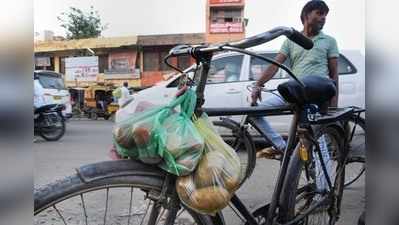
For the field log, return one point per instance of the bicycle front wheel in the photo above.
(113, 200)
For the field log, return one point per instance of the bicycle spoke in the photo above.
(106, 207)
(130, 206)
(146, 211)
(84, 208)
(237, 213)
(182, 210)
(58, 212)
(160, 216)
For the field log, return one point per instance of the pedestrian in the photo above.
(125, 95)
(321, 60)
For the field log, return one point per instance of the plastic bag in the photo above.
(134, 107)
(162, 135)
(211, 186)
(184, 143)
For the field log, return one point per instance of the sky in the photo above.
(345, 22)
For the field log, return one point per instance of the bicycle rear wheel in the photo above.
(355, 166)
(241, 142)
(300, 195)
(112, 200)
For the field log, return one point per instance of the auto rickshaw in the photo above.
(112, 108)
(99, 102)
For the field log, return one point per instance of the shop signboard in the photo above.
(81, 68)
(226, 28)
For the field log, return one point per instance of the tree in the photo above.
(79, 24)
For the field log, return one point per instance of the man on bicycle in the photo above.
(321, 60)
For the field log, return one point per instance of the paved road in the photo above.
(88, 141)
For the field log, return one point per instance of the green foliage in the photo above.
(79, 24)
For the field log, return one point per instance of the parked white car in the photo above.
(54, 89)
(231, 73)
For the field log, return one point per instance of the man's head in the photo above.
(125, 84)
(314, 14)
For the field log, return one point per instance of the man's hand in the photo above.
(266, 76)
(256, 94)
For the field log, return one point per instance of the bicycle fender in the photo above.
(125, 167)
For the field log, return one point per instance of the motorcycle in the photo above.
(49, 122)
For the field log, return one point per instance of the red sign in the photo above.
(226, 28)
(224, 1)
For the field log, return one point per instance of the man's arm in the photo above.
(271, 70)
(333, 74)
(266, 76)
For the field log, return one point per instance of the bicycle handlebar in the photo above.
(267, 36)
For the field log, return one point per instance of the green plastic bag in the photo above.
(163, 135)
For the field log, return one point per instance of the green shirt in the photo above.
(313, 61)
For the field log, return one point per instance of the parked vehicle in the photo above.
(49, 122)
(231, 73)
(97, 98)
(54, 90)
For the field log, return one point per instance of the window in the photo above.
(183, 61)
(162, 55)
(182, 80)
(226, 69)
(226, 15)
(175, 83)
(344, 66)
(138, 62)
(258, 66)
(103, 63)
(62, 65)
(120, 64)
(51, 82)
(151, 61)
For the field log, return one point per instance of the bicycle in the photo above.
(161, 202)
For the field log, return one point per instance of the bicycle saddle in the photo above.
(318, 90)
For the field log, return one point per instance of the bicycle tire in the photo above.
(293, 191)
(355, 166)
(72, 187)
(240, 138)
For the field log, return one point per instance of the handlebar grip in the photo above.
(301, 39)
(180, 50)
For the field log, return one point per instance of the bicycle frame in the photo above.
(237, 203)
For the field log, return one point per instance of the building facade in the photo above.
(224, 20)
(136, 59)
(93, 60)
